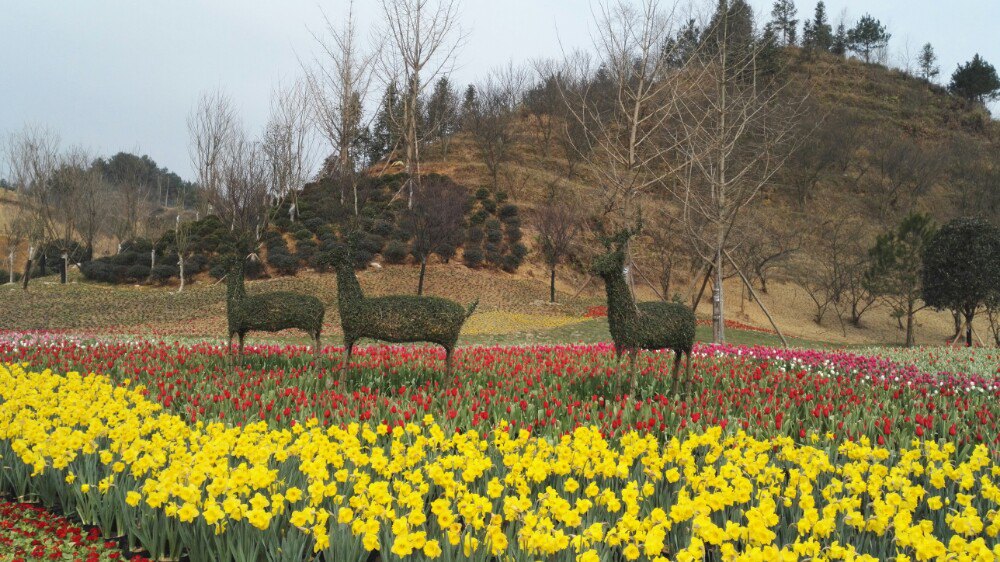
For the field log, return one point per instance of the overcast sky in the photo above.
(113, 75)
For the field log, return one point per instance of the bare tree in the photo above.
(33, 157)
(829, 150)
(93, 211)
(735, 131)
(339, 84)
(898, 171)
(766, 245)
(492, 118)
(242, 198)
(543, 103)
(559, 221)
(423, 37)
(435, 222)
(623, 99)
(288, 142)
(182, 243)
(212, 125)
(14, 234)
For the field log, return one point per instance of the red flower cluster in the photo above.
(29, 532)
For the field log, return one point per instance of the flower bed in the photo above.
(30, 532)
(549, 390)
(416, 491)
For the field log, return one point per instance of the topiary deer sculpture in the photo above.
(646, 325)
(395, 318)
(269, 312)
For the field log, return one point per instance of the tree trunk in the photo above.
(180, 265)
(423, 270)
(957, 316)
(718, 317)
(27, 271)
(909, 324)
(41, 266)
(969, 315)
(552, 285)
(65, 269)
(10, 273)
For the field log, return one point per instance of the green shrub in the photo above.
(395, 252)
(473, 256)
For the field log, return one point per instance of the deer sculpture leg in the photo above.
(348, 351)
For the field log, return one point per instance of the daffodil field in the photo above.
(525, 453)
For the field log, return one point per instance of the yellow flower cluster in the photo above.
(418, 492)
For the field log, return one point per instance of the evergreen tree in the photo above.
(385, 134)
(894, 273)
(469, 101)
(928, 63)
(731, 28)
(442, 113)
(686, 43)
(784, 22)
(961, 268)
(976, 80)
(839, 46)
(768, 53)
(867, 37)
(818, 34)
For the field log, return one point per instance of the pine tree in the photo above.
(839, 46)
(867, 37)
(442, 113)
(976, 80)
(818, 34)
(928, 63)
(385, 135)
(731, 28)
(783, 21)
(686, 43)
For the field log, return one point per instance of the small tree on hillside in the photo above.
(976, 80)
(443, 113)
(817, 34)
(492, 119)
(961, 268)
(839, 46)
(928, 63)
(436, 221)
(784, 22)
(559, 222)
(894, 272)
(867, 37)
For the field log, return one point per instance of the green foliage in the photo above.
(650, 325)
(783, 21)
(395, 318)
(209, 239)
(928, 63)
(268, 312)
(896, 264)
(129, 169)
(494, 234)
(817, 34)
(731, 29)
(867, 37)
(976, 80)
(962, 267)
